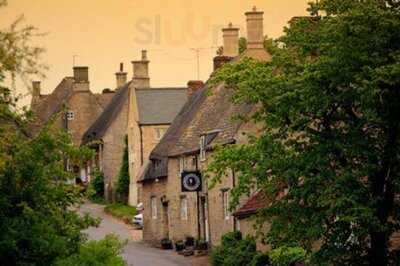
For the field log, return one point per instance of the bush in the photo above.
(236, 251)
(105, 252)
(284, 256)
(121, 211)
(95, 191)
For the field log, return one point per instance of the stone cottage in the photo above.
(74, 103)
(204, 121)
(138, 111)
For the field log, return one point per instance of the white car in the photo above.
(138, 220)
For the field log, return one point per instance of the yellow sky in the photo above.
(105, 32)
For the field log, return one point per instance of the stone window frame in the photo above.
(183, 207)
(153, 207)
(70, 115)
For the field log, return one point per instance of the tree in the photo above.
(37, 220)
(122, 186)
(330, 105)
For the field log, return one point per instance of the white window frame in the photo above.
(202, 148)
(225, 204)
(184, 208)
(153, 204)
(70, 115)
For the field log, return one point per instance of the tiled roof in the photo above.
(159, 105)
(253, 204)
(98, 128)
(52, 103)
(207, 110)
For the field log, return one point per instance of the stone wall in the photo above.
(113, 149)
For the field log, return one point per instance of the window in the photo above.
(160, 133)
(225, 203)
(184, 208)
(203, 148)
(153, 203)
(70, 115)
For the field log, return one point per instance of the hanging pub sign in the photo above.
(191, 181)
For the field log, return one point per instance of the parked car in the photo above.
(138, 220)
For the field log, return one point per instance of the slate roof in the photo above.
(155, 106)
(206, 111)
(100, 126)
(159, 105)
(253, 204)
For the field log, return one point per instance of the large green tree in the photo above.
(38, 223)
(330, 105)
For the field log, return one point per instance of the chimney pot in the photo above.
(144, 55)
(121, 67)
(194, 86)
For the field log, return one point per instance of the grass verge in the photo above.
(121, 211)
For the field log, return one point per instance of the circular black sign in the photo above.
(191, 182)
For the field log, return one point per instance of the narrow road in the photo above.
(136, 253)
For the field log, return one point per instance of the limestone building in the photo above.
(204, 122)
(139, 112)
(72, 105)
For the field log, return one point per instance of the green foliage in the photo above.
(95, 190)
(122, 185)
(284, 256)
(105, 252)
(329, 105)
(242, 44)
(121, 211)
(235, 250)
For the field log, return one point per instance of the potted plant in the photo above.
(179, 245)
(166, 243)
(201, 244)
(189, 241)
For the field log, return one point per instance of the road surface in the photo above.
(136, 253)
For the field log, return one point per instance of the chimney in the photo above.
(121, 76)
(231, 41)
(35, 92)
(255, 30)
(194, 86)
(81, 78)
(220, 60)
(141, 72)
(36, 89)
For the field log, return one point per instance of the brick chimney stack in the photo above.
(255, 29)
(231, 41)
(194, 86)
(141, 72)
(121, 76)
(81, 78)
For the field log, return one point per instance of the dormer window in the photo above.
(70, 115)
(203, 148)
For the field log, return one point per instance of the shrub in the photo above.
(122, 184)
(284, 256)
(95, 191)
(236, 251)
(105, 252)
